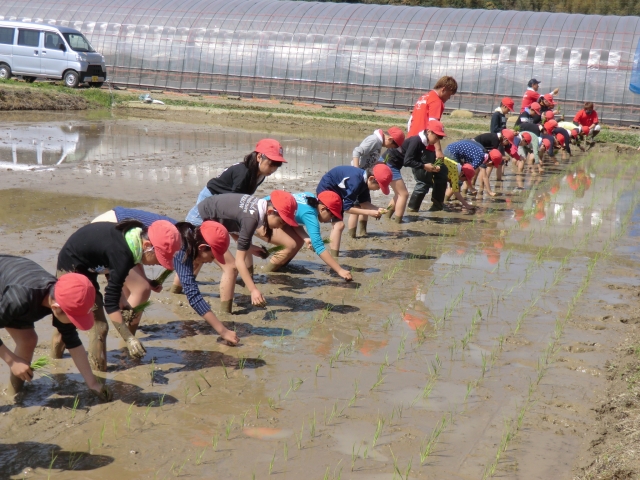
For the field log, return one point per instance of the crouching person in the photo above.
(29, 293)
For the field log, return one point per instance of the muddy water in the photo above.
(439, 339)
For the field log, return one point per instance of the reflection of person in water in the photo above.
(579, 182)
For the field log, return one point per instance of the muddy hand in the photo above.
(136, 349)
(104, 393)
(22, 370)
(257, 299)
(230, 337)
(345, 274)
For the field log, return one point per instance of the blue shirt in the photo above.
(182, 264)
(308, 216)
(348, 182)
(467, 151)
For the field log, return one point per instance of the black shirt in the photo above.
(394, 157)
(235, 179)
(526, 117)
(530, 127)
(498, 122)
(99, 248)
(489, 141)
(24, 285)
(414, 152)
(237, 212)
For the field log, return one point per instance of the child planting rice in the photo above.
(245, 216)
(353, 186)
(310, 213)
(204, 244)
(29, 293)
(120, 251)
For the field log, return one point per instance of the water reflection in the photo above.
(131, 150)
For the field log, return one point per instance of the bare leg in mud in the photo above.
(334, 238)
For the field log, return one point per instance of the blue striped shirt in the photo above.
(182, 264)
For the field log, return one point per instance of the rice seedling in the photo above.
(160, 279)
(272, 404)
(378, 432)
(53, 460)
(89, 445)
(312, 425)
(286, 452)
(129, 416)
(242, 362)
(186, 394)
(365, 454)
(295, 383)
(214, 441)
(273, 460)
(199, 457)
(256, 407)
(40, 364)
(379, 382)
(182, 467)
(141, 308)
(224, 369)
(74, 409)
(326, 474)
(229, 426)
(104, 426)
(299, 437)
(317, 368)
(74, 460)
(244, 417)
(354, 455)
(147, 410)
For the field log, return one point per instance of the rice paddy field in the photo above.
(495, 345)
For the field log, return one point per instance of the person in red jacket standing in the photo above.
(531, 95)
(430, 106)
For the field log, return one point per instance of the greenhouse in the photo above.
(374, 55)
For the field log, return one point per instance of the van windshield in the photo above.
(78, 43)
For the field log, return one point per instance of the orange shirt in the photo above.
(584, 119)
(428, 107)
(529, 97)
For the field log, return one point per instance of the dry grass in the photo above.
(33, 99)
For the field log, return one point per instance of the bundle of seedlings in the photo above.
(160, 279)
(40, 364)
(129, 314)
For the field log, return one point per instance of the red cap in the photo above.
(217, 237)
(436, 127)
(560, 138)
(76, 296)
(550, 125)
(332, 201)
(546, 143)
(468, 171)
(507, 102)
(509, 134)
(585, 130)
(285, 205)
(166, 241)
(535, 106)
(574, 133)
(271, 148)
(549, 115)
(397, 134)
(549, 99)
(526, 136)
(496, 157)
(382, 174)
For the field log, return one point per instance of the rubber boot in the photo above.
(177, 289)
(362, 226)
(415, 201)
(352, 233)
(390, 211)
(335, 253)
(15, 385)
(226, 306)
(436, 206)
(57, 346)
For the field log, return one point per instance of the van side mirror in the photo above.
(62, 47)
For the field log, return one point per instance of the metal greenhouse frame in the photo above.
(354, 53)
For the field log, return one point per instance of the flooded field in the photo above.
(468, 346)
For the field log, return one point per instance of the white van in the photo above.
(35, 50)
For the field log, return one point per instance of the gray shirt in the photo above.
(240, 214)
(369, 150)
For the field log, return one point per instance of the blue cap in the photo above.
(532, 81)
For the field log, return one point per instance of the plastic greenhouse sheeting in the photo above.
(375, 55)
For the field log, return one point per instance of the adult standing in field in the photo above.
(206, 243)
(244, 177)
(245, 216)
(353, 185)
(28, 293)
(410, 154)
(366, 155)
(118, 251)
(430, 107)
(588, 117)
(531, 94)
(499, 116)
(311, 212)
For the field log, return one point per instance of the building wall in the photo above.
(354, 53)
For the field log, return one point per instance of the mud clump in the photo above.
(32, 99)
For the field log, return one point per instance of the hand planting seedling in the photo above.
(160, 279)
(40, 364)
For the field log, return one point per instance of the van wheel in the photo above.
(71, 79)
(96, 84)
(5, 71)
(29, 79)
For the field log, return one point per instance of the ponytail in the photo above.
(191, 239)
(128, 224)
(251, 162)
(313, 202)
